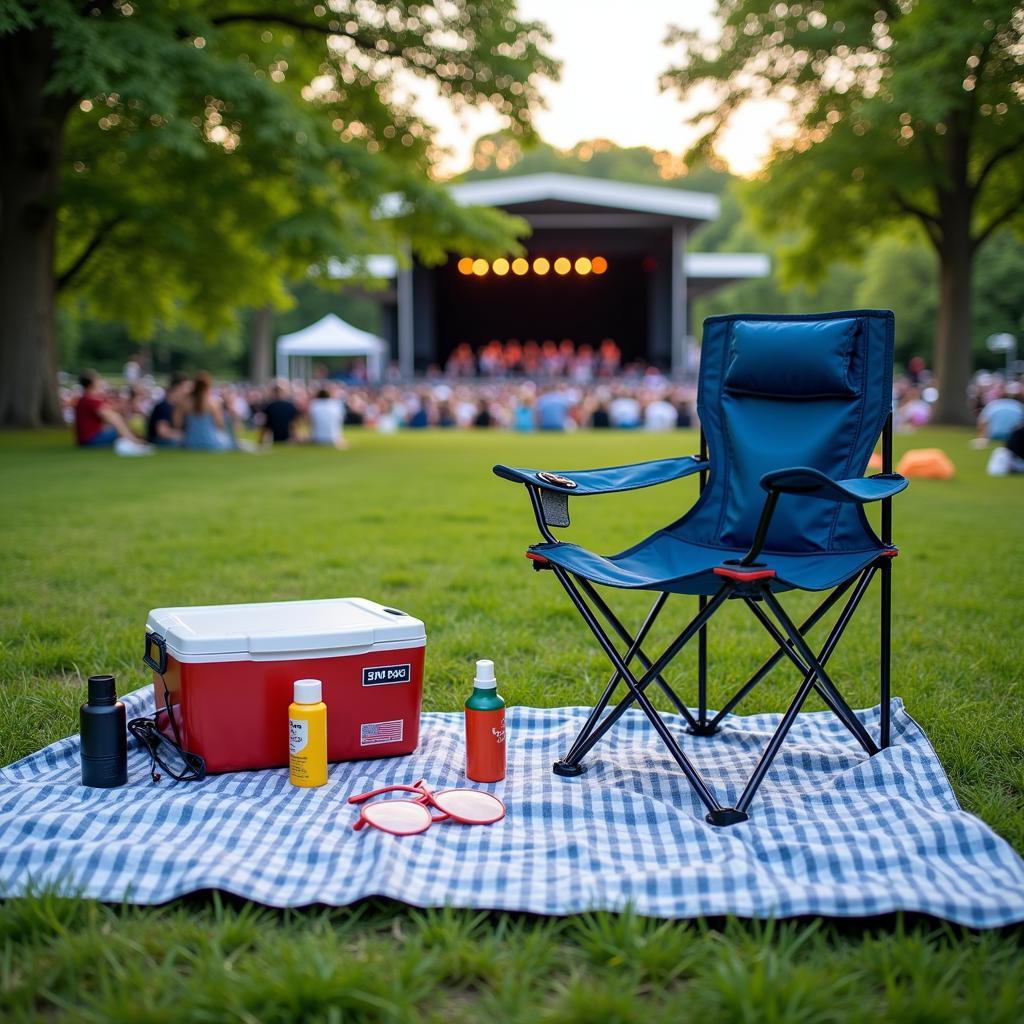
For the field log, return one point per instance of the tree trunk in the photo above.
(261, 346)
(953, 329)
(31, 130)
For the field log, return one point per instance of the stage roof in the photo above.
(520, 190)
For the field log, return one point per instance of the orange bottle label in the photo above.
(485, 745)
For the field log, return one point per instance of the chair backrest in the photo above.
(781, 391)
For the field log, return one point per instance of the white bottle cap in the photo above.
(485, 675)
(308, 691)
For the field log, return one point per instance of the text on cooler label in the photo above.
(387, 675)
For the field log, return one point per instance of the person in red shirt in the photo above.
(97, 424)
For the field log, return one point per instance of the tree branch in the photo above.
(999, 155)
(929, 221)
(293, 21)
(63, 280)
(998, 220)
(917, 211)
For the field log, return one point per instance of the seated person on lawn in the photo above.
(279, 416)
(97, 423)
(160, 428)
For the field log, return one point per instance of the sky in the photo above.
(612, 53)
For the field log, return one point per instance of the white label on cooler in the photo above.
(298, 735)
(372, 733)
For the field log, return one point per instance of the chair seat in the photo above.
(669, 563)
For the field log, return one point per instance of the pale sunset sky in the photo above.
(612, 54)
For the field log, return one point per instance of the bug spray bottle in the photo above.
(307, 734)
(485, 727)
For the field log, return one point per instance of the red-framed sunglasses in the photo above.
(407, 817)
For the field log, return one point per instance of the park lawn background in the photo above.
(92, 542)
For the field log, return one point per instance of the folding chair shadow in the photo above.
(791, 408)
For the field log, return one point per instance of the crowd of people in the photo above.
(192, 412)
(195, 413)
(540, 360)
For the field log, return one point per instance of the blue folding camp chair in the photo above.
(790, 408)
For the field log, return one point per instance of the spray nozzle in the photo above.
(485, 675)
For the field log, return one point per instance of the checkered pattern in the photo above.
(830, 832)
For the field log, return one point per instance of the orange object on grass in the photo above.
(926, 464)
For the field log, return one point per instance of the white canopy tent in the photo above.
(331, 336)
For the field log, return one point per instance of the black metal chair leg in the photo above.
(671, 651)
(774, 744)
(701, 728)
(885, 657)
(636, 691)
(620, 629)
(570, 764)
(841, 708)
(805, 627)
(834, 702)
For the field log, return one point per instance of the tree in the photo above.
(901, 111)
(173, 161)
(504, 154)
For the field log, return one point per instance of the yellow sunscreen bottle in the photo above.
(307, 735)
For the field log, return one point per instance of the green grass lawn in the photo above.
(92, 542)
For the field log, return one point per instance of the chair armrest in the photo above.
(812, 483)
(609, 480)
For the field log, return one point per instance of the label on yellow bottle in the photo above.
(307, 744)
(298, 735)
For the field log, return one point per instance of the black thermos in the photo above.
(104, 736)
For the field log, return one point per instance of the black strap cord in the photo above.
(148, 733)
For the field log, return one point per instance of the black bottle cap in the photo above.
(102, 690)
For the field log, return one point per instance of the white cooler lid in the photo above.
(281, 627)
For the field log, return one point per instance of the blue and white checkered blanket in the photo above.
(830, 832)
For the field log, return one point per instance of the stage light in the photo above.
(520, 266)
(583, 265)
(541, 265)
(466, 265)
(562, 265)
(500, 266)
(598, 265)
(480, 267)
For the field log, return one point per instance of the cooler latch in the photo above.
(155, 642)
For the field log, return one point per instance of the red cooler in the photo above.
(228, 672)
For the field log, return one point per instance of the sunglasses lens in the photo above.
(470, 806)
(400, 817)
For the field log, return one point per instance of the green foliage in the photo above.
(898, 273)
(898, 110)
(214, 151)
(502, 154)
(105, 345)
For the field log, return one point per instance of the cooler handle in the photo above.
(159, 663)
